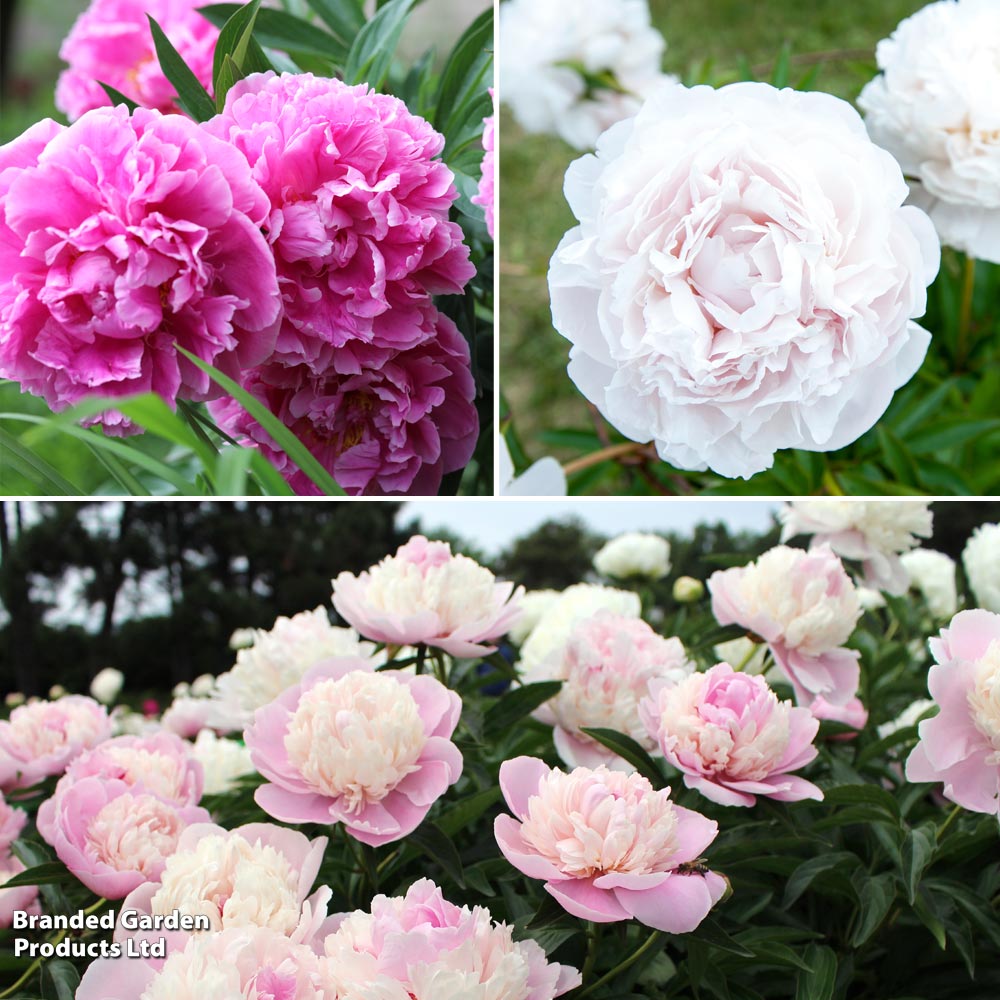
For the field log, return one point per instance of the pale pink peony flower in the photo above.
(608, 845)
(960, 746)
(359, 215)
(257, 875)
(245, 961)
(744, 276)
(606, 668)
(853, 714)
(348, 745)
(223, 761)
(111, 42)
(424, 594)
(114, 836)
(432, 948)
(873, 532)
(41, 738)
(395, 422)
(487, 196)
(12, 822)
(805, 607)
(731, 736)
(24, 897)
(148, 239)
(186, 716)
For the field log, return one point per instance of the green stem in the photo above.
(831, 485)
(593, 933)
(965, 311)
(37, 964)
(951, 819)
(622, 966)
(421, 656)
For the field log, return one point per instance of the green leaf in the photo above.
(227, 77)
(875, 898)
(782, 67)
(231, 50)
(435, 843)
(926, 910)
(232, 468)
(803, 876)
(280, 30)
(43, 874)
(60, 979)
(117, 97)
(282, 436)
(945, 434)
(516, 704)
(628, 749)
(897, 459)
(119, 472)
(819, 983)
(32, 467)
(467, 810)
(870, 795)
(464, 73)
(191, 95)
(709, 932)
(345, 18)
(917, 853)
(372, 51)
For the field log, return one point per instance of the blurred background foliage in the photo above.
(941, 433)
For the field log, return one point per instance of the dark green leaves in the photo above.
(44, 874)
(628, 749)
(191, 95)
(818, 984)
(372, 51)
(516, 704)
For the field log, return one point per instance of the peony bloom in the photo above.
(42, 737)
(359, 215)
(348, 745)
(544, 478)
(274, 660)
(933, 574)
(534, 604)
(432, 948)
(576, 69)
(186, 717)
(960, 746)
(111, 835)
(223, 761)
(634, 554)
(608, 845)
(242, 961)
(981, 559)
(743, 278)
(486, 196)
(933, 108)
(394, 424)
(853, 714)
(23, 897)
(148, 239)
(910, 716)
(257, 875)
(557, 622)
(424, 594)
(731, 737)
(746, 655)
(606, 668)
(111, 42)
(873, 532)
(107, 685)
(12, 822)
(804, 606)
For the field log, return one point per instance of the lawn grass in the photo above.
(702, 36)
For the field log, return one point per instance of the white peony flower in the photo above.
(574, 69)
(278, 659)
(934, 107)
(107, 685)
(743, 654)
(743, 278)
(544, 478)
(634, 554)
(870, 599)
(981, 559)
(534, 605)
(222, 760)
(910, 716)
(874, 532)
(933, 574)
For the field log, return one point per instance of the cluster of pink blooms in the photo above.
(487, 193)
(12, 822)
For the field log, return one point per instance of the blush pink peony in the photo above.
(111, 42)
(731, 737)
(348, 745)
(394, 422)
(12, 822)
(424, 594)
(359, 214)
(960, 746)
(608, 845)
(853, 714)
(41, 738)
(148, 238)
(487, 182)
(805, 607)
(431, 947)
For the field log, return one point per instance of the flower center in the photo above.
(158, 773)
(984, 700)
(134, 833)
(356, 738)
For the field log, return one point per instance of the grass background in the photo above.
(705, 38)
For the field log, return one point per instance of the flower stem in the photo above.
(616, 451)
(623, 965)
(34, 967)
(421, 656)
(593, 933)
(951, 818)
(831, 485)
(965, 311)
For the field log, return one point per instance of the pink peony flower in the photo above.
(428, 945)
(12, 822)
(113, 836)
(257, 875)
(853, 714)
(805, 607)
(960, 746)
(731, 738)
(238, 962)
(42, 737)
(111, 43)
(186, 717)
(424, 594)
(24, 897)
(487, 195)
(148, 238)
(606, 668)
(369, 750)
(359, 215)
(394, 424)
(608, 845)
